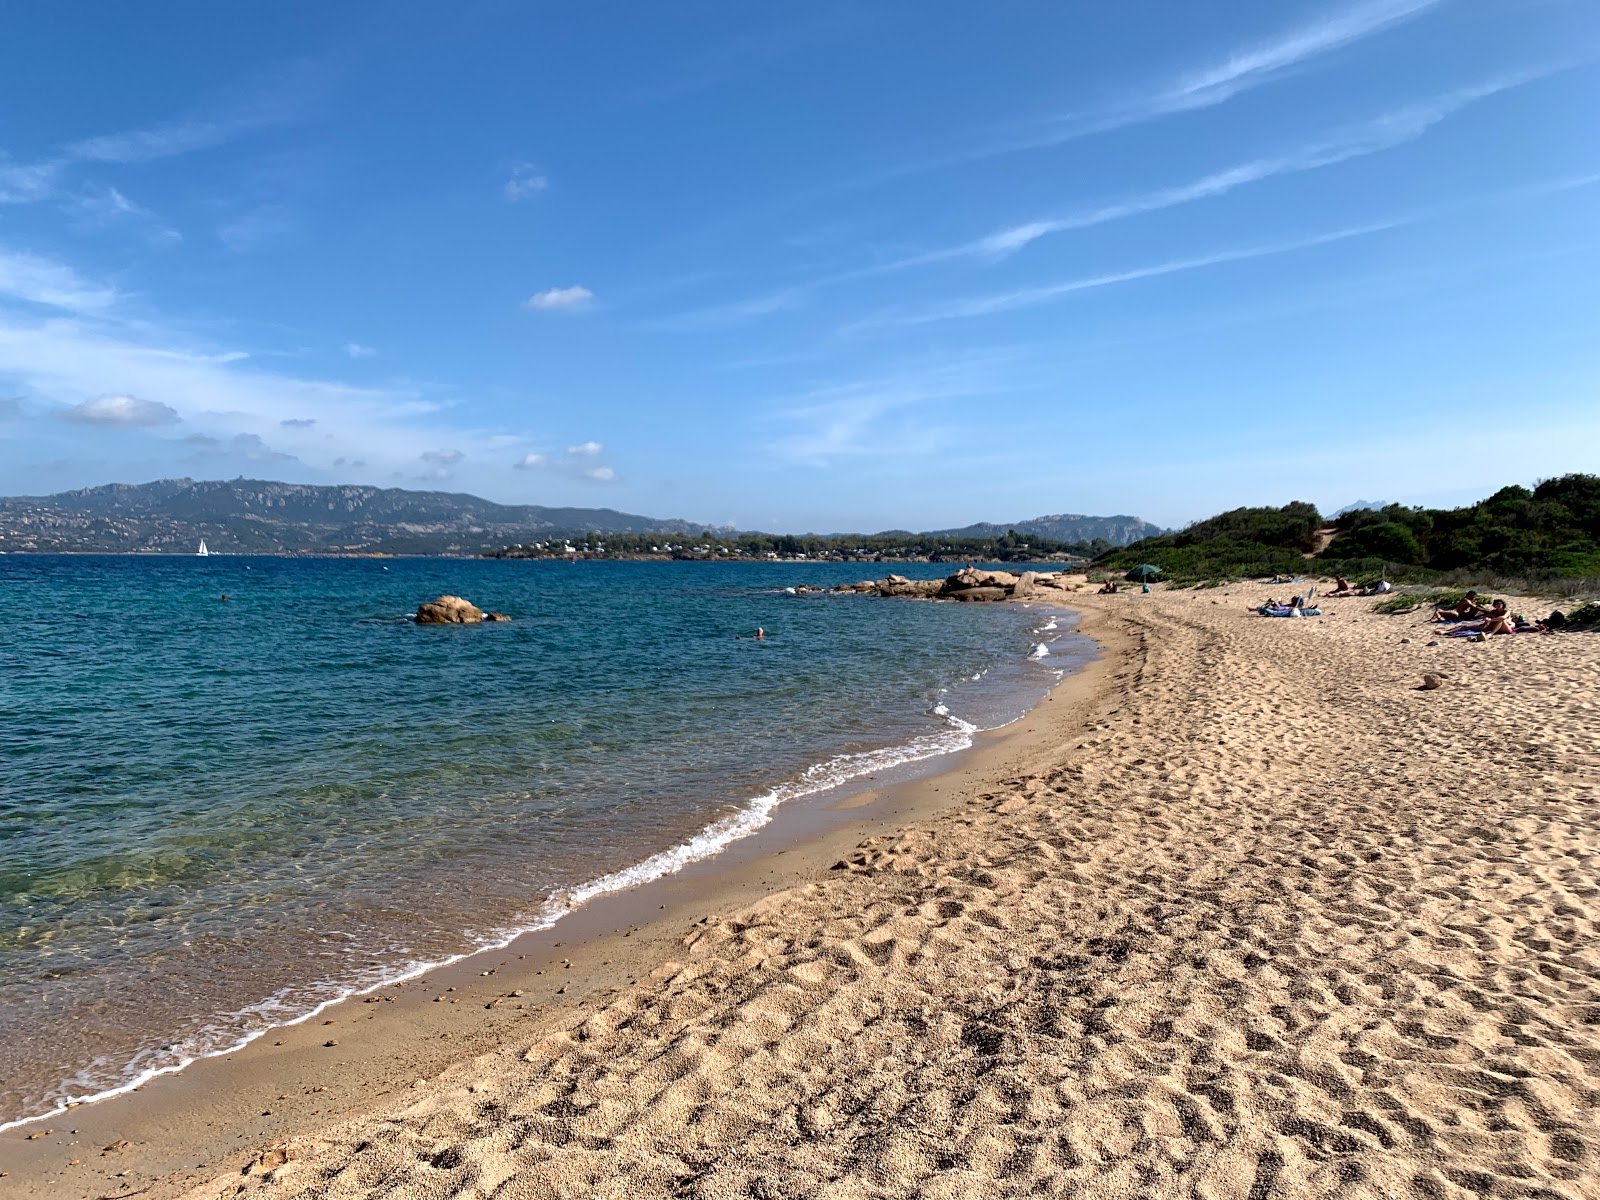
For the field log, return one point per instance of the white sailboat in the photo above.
(203, 552)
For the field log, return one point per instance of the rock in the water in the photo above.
(494, 616)
(449, 610)
(979, 593)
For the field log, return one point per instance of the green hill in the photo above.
(1550, 531)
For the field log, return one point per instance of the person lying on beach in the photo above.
(1466, 608)
(1342, 587)
(1107, 589)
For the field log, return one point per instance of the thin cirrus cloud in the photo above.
(1206, 87)
(532, 462)
(260, 103)
(357, 350)
(123, 411)
(36, 280)
(560, 299)
(1019, 298)
(585, 449)
(885, 415)
(1384, 132)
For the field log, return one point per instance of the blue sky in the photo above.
(829, 266)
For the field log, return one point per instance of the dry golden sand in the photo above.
(1273, 923)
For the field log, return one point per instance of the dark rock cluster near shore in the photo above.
(967, 584)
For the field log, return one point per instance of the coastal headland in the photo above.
(1241, 910)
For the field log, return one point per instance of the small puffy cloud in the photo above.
(357, 350)
(567, 299)
(298, 422)
(585, 450)
(532, 462)
(526, 182)
(121, 410)
(442, 458)
(348, 462)
(601, 474)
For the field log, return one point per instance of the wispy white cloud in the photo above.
(585, 449)
(442, 458)
(357, 350)
(259, 104)
(525, 181)
(44, 281)
(121, 410)
(104, 208)
(532, 462)
(1009, 301)
(1205, 87)
(88, 360)
(567, 299)
(892, 415)
(1385, 132)
(600, 475)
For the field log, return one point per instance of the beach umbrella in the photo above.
(1144, 571)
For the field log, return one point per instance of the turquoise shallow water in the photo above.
(216, 816)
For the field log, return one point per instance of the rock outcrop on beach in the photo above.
(967, 584)
(452, 610)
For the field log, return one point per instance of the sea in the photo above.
(234, 790)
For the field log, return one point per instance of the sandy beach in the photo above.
(1239, 912)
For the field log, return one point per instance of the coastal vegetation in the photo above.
(1548, 536)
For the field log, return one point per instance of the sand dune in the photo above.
(1270, 923)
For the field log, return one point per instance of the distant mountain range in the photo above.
(1358, 505)
(1067, 527)
(254, 516)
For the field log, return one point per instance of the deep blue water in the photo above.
(216, 815)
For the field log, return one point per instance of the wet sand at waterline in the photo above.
(1239, 912)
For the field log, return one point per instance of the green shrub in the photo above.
(1403, 602)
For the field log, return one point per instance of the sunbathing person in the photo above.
(1466, 608)
(1107, 589)
(1342, 587)
(1497, 620)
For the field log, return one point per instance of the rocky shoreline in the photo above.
(967, 584)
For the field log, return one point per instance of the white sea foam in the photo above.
(280, 1010)
(1039, 651)
(1050, 626)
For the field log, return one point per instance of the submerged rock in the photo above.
(450, 610)
(494, 616)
